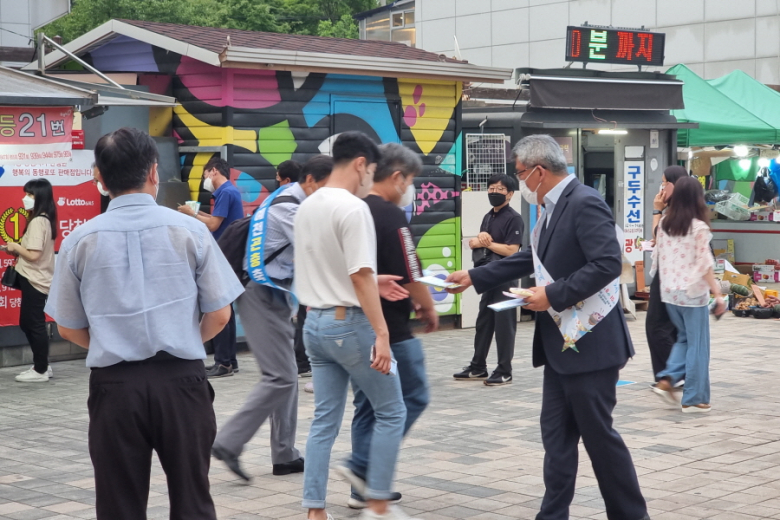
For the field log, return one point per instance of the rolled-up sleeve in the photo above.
(218, 285)
(64, 303)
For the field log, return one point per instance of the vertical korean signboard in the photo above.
(633, 209)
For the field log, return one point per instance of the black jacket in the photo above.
(581, 252)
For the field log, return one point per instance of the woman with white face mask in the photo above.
(35, 267)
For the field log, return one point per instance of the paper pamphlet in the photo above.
(435, 281)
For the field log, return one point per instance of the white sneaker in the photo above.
(309, 388)
(356, 482)
(393, 513)
(31, 376)
(49, 371)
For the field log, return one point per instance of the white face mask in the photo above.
(530, 196)
(101, 189)
(29, 202)
(208, 184)
(407, 197)
(366, 183)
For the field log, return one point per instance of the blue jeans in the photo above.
(690, 357)
(340, 350)
(414, 386)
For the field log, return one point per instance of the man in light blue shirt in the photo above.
(130, 286)
(265, 312)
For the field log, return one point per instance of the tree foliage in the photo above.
(318, 17)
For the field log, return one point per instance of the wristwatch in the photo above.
(656, 212)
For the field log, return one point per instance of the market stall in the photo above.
(734, 154)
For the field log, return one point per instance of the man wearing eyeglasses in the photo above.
(500, 235)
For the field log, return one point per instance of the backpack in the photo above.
(234, 238)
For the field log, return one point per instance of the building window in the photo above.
(393, 26)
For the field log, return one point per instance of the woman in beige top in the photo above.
(36, 269)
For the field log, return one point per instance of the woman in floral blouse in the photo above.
(683, 257)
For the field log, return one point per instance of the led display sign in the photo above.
(607, 45)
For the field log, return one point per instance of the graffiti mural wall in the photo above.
(267, 117)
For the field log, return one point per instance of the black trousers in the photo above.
(32, 321)
(580, 406)
(503, 324)
(300, 350)
(163, 404)
(661, 333)
(224, 343)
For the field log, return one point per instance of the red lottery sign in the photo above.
(35, 135)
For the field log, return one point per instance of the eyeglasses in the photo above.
(500, 189)
(527, 169)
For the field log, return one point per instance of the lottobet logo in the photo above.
(74, 202)
(11, 224)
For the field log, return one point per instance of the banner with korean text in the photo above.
(633, 209)
(75, 196)
(35, 135)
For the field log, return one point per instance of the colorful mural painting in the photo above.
(266, 117)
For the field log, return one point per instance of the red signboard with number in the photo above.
(35, 135)
(75, 196)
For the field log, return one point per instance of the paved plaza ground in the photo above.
(476, 453)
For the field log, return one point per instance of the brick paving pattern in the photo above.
(476, 453)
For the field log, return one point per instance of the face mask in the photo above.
(208, 184)
(529, 196)
(102, 190)
(407, 197)
(366, 183)
(29, 202)
(496, 199)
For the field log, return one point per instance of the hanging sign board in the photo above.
(75, 196)
(608, 45)
(633, 210)
(35, 135)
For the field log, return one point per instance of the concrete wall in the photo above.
(24, 16)
(712, 37)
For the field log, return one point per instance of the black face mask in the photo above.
(496, 199)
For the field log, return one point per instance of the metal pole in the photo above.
(59, 47)
(41, 52)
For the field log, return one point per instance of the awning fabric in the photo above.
(721, 119)
(751, 94)
(568, 92)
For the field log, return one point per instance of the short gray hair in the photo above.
(542, 150)
(395, 157)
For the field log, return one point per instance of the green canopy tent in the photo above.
(752, 95)
(722, 120)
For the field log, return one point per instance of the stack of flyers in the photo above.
(516, 301)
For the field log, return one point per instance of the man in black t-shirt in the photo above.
(500, 235)
(396, 255)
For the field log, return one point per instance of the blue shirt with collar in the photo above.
(138, 276)
(551, 199)
(228, 205)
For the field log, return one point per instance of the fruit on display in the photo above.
(741, 290)
(744, 304)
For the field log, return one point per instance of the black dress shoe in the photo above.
(295, 466)
(231, 461)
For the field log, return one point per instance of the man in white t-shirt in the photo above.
(345, 334)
